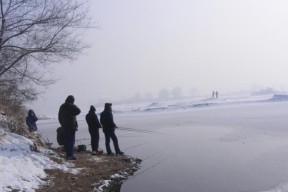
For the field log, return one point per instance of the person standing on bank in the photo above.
(93, 126)
(106, 119)
(31, 121)
(67, 119)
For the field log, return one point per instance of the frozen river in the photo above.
(226, 148)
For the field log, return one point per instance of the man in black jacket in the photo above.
(106, 119)
(67, 118)
(93, 126)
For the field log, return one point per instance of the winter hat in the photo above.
(92, 108)
(70, 99)
(108, 105)
(30, 112)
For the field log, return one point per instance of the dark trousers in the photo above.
(111, 135)
(94, 139)
(70, 142)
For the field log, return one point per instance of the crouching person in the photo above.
(31, 121)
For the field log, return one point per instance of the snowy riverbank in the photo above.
(23, 165)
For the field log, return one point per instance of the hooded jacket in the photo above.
(31, 120)
(67, 114)
(106, 119)
(92, 120)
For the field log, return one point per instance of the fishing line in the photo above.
(132, 130)
(138, 130)
(48, 123)
(154, 165)
(120, 128)
(148, 157)
(142, 130)
(123, 136)
(44, 123)
(135, 146)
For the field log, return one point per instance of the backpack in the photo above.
(60, 136)
(81, 148)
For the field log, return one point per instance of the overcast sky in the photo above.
(143, 46)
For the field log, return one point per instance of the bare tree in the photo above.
(34, 34)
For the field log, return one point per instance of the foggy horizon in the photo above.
(143, 47)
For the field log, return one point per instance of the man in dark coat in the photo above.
(67, 118)
(31, 121)
(106, 119)
(93, 126)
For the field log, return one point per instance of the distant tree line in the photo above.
(163, 94)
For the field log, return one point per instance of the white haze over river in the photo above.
(213, 145)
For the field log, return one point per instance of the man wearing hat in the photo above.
(106, 119)
(93, 126)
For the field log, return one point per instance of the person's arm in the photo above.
(76, 110)
(112, 121)
(35, 118)
(98, 122)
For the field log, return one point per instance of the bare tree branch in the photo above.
(37, 33)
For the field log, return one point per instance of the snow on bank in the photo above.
(20, 167)
(192, 103)
(117, 177)
(184, 103)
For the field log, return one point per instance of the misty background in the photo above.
(150, 48)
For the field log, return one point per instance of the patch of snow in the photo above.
(21, 168)
(117, 178)
(101, 185)
(96, 159)
(189, 103)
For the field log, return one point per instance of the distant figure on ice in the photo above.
(213, 94)
(31, 121)
(216, 94)
(106, 119)
(93, 126)
(67, 119)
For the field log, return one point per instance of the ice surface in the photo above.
(229, 144)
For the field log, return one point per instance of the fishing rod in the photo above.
(120, 128)
(138, 130)
(52, 122)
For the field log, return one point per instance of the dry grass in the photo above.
(92, 172)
